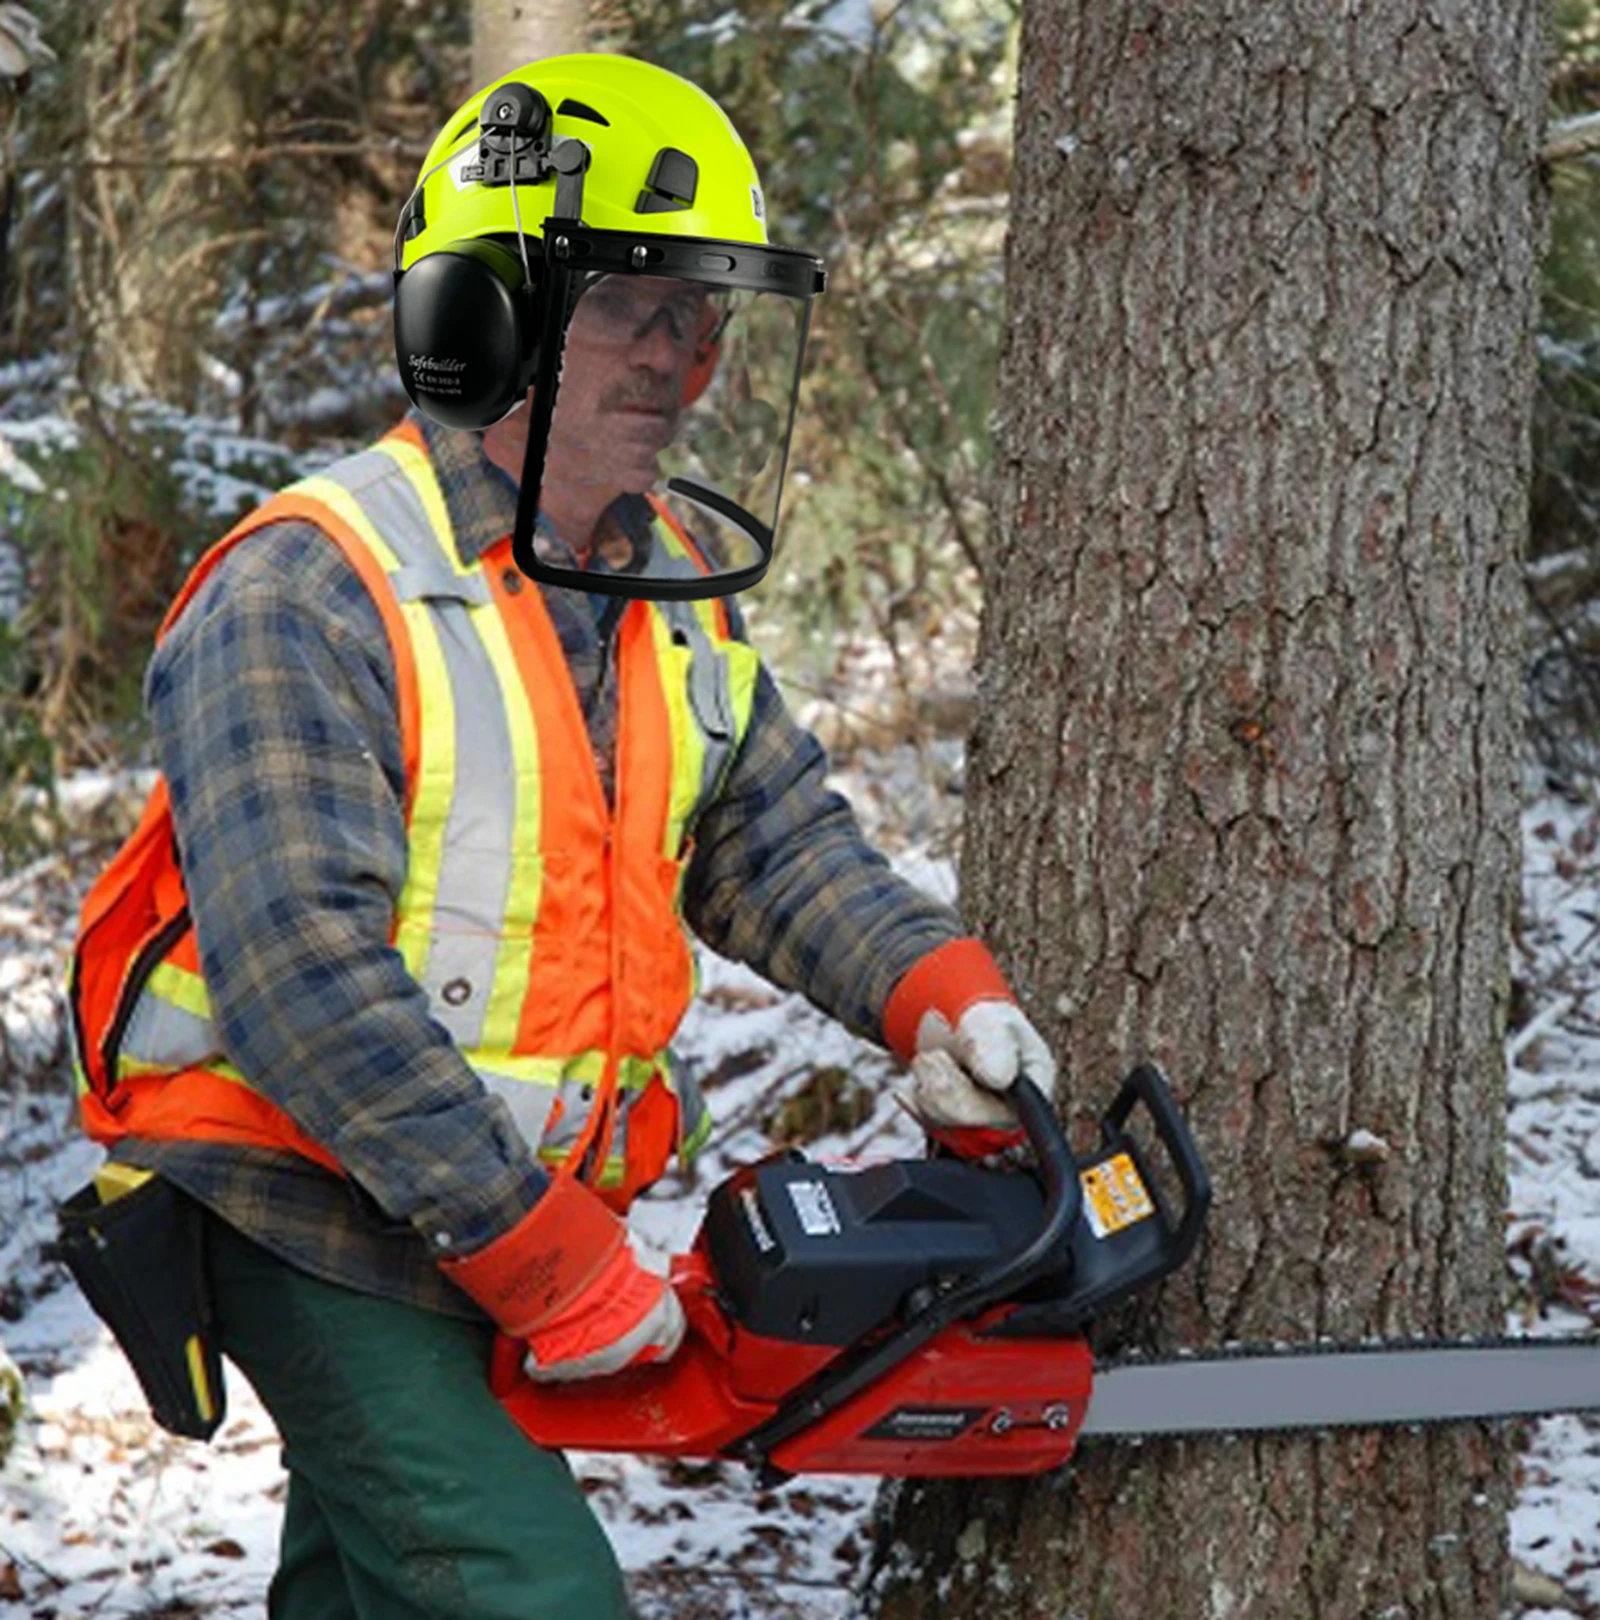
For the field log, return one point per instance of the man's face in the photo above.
(630, 347)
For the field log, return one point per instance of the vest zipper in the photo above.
(144, 964)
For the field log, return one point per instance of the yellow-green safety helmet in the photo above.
(593, 228)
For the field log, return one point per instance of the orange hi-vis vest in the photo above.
(545, 926)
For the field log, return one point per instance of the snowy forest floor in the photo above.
(102, 1514)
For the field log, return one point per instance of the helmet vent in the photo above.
(671, 186)
(581, 109)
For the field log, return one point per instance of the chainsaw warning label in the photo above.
(1114, 1196)
(925, 1423)
(818, 1218)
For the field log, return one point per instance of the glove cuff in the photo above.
(946, 981)
(530, 1274)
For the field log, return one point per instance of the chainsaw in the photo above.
(929, 1317)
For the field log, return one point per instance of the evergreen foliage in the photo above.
(199, 199)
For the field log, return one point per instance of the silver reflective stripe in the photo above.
(475, 866)
(160, 1033)
(358, 472)
(691, 1099)
(576, 1097)
(576, 1101)
(416, 582)
(529, 1102)
(475, 863)
(710, 697)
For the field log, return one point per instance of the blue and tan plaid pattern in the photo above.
(274, 712)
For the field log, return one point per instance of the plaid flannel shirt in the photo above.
(273, 707)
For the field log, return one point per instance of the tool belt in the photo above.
(135, 1245)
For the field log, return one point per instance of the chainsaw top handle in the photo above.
(1063, 1200)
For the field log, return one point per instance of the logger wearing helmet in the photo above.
(385, 981)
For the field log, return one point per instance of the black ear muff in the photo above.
(465, 333)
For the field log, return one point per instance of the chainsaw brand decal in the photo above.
(925, 1423)
(1114, 1196)
(756, 1221)
(818, 1218)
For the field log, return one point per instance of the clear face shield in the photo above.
(661, 411)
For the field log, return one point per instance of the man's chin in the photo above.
(639, 480)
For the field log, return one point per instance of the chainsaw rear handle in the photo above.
(1147, 1085)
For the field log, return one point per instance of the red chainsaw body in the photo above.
(963, 1404)
(906, 1318)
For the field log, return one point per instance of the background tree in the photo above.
(1242, 777)
(507, 33)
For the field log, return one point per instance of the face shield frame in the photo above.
(573, 255)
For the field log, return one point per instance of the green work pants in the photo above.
(412, 1496)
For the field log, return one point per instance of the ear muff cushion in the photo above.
(707, 351)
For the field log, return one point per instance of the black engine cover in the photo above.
(820, 1254)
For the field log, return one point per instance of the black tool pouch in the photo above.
(140, 1261)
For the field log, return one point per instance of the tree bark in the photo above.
(508, 33)
(1242, 778)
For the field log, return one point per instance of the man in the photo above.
(385, 979)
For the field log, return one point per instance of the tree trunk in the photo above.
(1242, 779)
(508, 33)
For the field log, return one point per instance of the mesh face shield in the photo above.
(661, 411)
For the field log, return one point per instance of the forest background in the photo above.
(196, 211)
(196, 217)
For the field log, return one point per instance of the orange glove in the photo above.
(953, 1018)
(565, 1280)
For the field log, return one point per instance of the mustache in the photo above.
(653, 399)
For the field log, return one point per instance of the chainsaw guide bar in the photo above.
(1244, 1389)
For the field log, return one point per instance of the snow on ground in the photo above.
(102, 1514)
(1553, 1224)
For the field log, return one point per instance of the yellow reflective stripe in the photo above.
(611, 1172)
(633, 1072)
(697, 1138)
(180, 987)
(414, 463)
(688, 745)
(437, 760)
(221, 1071)
(347, 508)
(744, 664)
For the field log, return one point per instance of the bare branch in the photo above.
(1573, 137)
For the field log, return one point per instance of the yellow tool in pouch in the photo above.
(113, 1180)
(135, 1245)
